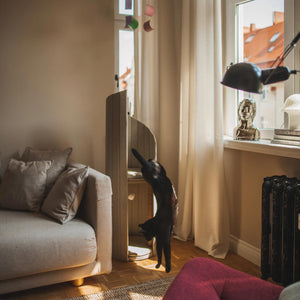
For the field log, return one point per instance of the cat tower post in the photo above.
(132, 200)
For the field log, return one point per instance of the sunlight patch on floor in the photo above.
(138, 296)
(89, 289)
(149, 264)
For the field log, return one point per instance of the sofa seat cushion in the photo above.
(32, 243)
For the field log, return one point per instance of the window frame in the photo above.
(119, 21)
(292, 85)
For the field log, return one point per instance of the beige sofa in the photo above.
(35, 250)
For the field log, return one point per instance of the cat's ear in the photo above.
(162, 170)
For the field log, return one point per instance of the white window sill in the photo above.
(262, 146)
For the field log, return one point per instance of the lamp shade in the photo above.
(243, 76)
(250, 78)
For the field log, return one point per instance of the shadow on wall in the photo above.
(14, 142)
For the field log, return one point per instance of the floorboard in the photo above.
(124, 273)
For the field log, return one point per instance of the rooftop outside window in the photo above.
(261, 22)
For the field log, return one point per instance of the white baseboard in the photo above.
(245, 250)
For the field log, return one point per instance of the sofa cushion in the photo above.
(23, 185)
(4, 159)
(64, 198)
(33, 243)
(59, 160)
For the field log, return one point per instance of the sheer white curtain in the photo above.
(202, 210)
(146, 67)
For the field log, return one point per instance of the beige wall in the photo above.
(56, 70)
(244, 177)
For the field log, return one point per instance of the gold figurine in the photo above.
(246, 130)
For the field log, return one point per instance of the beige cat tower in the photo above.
(133, 201)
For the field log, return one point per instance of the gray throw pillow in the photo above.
(64, 198)
(23, 185)
(4, 159)
(59, 160)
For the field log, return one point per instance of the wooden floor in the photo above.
(131, 273)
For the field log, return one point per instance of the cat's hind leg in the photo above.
(167, 250)
(167, 253)
(158, 252)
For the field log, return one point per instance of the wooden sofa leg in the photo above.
(78, 282)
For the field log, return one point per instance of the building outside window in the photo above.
(256, 31)
(260, 40)
(124, 51)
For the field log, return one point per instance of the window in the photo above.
(260, 19)
(125, 7)
(124, 50)
(271, 49)
(261, 32)
(250, 38)
(274, 37)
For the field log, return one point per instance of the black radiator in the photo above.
(280, 243)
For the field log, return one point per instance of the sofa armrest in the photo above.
(97, 211)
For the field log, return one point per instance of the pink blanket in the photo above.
(206, 279)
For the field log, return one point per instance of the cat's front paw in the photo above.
(168, 269)
(157, 266)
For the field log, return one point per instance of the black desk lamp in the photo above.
(250, 78)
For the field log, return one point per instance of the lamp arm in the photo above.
(296, 39)
(287, 50)
(282, 57)
(291, 46)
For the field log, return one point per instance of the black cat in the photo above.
(161, 225)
